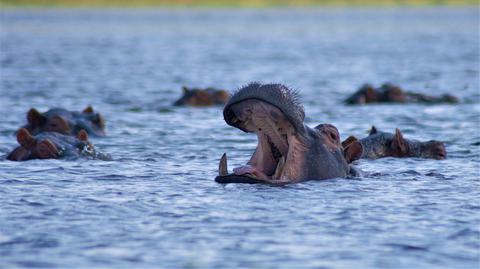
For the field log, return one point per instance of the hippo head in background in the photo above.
(202, 97)
(287, 151)
(380, 144)
(49, 145)
(392, 94)
(366, 94)
(65, 122)
(387, 93)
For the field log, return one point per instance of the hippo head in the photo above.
(202, 97)
(432, 149)
(395, 145)
(38, 122)
(287, 150)
(65, 122)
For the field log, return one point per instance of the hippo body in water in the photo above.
(65, 122)
(382, 144)
(202, 97)
(288, 151)
(52, 145)
(389, 93)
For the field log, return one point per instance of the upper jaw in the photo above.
(271, 153)
(286, 100)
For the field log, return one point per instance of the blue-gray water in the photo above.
(156, 204)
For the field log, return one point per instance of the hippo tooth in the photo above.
(279, 169)
(222, 167)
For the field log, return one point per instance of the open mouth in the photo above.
(275, 137)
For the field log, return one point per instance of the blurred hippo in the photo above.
(65, 122)
(382, 144)
(389, 93)
(202, 97)
(288, 151)
(52, 145)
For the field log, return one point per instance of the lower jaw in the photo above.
(258, 173)
(247, 173)
(232, 178)
(251, 171)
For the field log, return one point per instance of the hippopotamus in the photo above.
(389, 93)
(380, 144)
(53, 145)
(202, 97)
(65, 122)
(288, 151)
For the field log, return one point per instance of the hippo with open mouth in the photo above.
(288, 151)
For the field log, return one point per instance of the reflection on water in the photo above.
(156, 203)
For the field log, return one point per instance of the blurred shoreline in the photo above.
(231, 3)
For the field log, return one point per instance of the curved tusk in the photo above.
(222, 167)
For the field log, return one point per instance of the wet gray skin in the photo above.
(65, 122)
(288, 151)
(380, 144)
(52, 145)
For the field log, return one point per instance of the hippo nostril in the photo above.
(333, 137)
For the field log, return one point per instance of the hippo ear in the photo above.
(88, 109)
(399, 145)
(185, 90)
(35, 118)
(24, 138)
(82, 135)
(348, 141)
(373, 130)
(353, 151)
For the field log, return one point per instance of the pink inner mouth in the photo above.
(272, 129)
(248, 169)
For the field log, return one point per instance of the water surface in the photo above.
(156, 204)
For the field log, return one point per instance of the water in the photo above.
(156, 204)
